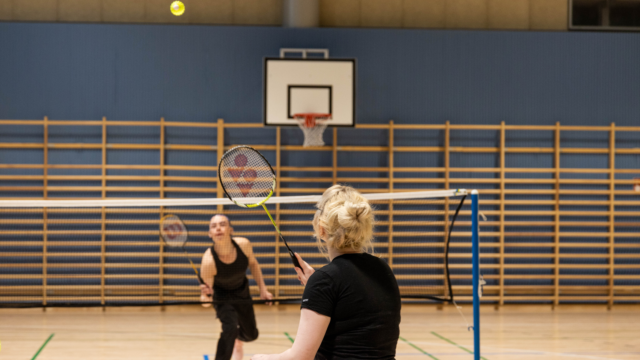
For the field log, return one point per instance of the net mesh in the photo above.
(109, 252)
(245, 173)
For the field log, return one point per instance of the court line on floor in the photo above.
(510, 350)
(452, 343)
(499, 350)
(42, 347)
(417, 348)
(549, 353)
(288, 336)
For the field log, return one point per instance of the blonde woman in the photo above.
(350, 307)
(223, 268)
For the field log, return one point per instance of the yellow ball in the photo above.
(177, 8)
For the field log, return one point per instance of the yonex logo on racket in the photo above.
(249, 175)
(240, 161)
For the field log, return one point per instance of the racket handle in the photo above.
(202, 283)
(295, 261)
(209, 296)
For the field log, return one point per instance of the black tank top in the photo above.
(232, 276)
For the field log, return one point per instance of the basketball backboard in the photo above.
(309, 85)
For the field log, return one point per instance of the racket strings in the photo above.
(244, 173)
(173, 231)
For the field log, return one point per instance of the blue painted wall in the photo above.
(201, 73)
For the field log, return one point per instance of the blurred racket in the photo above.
(174, 234)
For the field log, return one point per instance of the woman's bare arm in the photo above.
(207, 272)
(311, 331)
(246, 247)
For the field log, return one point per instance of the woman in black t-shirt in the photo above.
(350, 307)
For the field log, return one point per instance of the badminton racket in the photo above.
(174, 234)
(249, 181)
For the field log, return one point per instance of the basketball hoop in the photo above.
(312, 126)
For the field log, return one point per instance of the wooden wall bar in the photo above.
(555, 232)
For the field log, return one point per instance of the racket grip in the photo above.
(295, 261)
(203, 283)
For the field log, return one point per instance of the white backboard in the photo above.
(309, 86)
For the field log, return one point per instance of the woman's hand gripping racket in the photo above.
(249, 181)
(174, 234)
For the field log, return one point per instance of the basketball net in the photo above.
(312, 126)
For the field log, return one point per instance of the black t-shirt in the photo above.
(360, 294)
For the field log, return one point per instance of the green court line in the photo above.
(454, 344)
(417, 348)
(42, 347)
(288, 336)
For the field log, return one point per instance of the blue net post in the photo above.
(475, 258)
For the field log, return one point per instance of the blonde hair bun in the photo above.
(352, 214)
(346, 219)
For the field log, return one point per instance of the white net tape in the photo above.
(217, 201)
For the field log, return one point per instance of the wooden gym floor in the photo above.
(511, 333)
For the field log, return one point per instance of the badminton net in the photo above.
(109, 252)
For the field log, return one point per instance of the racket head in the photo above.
(173, 231)
(246, 176)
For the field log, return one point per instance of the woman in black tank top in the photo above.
(224, 267)
(230, 277)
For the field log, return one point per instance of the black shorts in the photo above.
(236, 312)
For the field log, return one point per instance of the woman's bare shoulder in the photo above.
(241, 240)
(244, 244)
